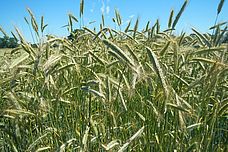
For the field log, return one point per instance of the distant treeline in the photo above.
(8, 42)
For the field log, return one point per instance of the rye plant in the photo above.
(115, 90)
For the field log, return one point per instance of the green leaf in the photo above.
(18, 60)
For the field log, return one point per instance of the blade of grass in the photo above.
(179, 14)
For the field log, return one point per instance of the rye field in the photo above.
(116, 89)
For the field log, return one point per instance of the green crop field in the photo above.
(115, 90)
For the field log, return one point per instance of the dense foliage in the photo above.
(113, 90)
(8, 42)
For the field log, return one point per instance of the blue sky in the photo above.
(199, 14)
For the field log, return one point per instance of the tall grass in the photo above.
(110, 90)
